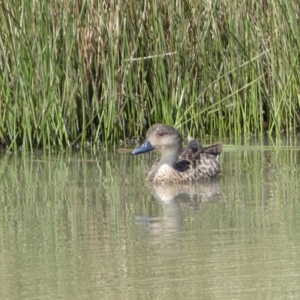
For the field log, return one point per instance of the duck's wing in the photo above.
(194, 145)
(194, 150)
(198, 161)
(189, 155)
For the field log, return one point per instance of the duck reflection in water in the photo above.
(177, 201)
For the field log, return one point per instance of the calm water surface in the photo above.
(81, 226)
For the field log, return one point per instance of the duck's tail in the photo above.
(214, 149)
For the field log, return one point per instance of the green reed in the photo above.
(101, 72)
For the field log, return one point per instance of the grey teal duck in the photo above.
(176, 164)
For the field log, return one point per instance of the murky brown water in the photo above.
(76, 226)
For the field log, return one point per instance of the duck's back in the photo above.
(197, 162)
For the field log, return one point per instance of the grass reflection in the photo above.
(81, 225)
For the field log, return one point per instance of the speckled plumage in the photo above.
(176, 165)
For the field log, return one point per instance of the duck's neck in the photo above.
(167, 157)
(170, 156)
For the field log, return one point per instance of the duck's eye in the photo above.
(160, 133)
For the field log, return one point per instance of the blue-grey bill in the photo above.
(146, 147)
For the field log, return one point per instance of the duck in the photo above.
(176, 164)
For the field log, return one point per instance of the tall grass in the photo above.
(95, 71)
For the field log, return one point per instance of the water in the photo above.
(79, 226)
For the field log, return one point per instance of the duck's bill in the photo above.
(146, 147)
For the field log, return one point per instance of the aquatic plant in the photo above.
(101, 71)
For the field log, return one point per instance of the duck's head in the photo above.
(162, 138)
